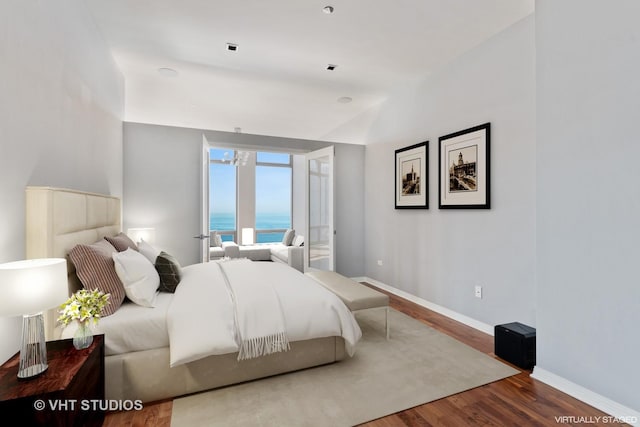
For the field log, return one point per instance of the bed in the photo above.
(145, 347)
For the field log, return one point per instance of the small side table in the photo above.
(68, 393)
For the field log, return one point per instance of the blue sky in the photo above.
(273, 185)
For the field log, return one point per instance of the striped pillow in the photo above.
(96, 270)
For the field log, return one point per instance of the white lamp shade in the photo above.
(31, 286)
(140, 234)
(247, 236)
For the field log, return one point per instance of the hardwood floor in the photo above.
(515, 401)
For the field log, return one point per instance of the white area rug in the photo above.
(417, 365)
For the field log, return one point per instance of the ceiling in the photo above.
(277, 82)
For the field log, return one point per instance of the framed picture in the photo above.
(412, 176)
(463, 178)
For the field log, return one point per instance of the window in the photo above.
(273, 196)
(222, 194)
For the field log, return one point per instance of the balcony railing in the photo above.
(270, 236)
(261, 236)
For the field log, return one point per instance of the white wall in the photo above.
(61, 107)
(588, 199)
(162, 186)
(349, 212)
(440, 255)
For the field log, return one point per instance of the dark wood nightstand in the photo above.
(68, 393)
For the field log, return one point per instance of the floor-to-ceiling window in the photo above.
(273, 196)
(231, 201)
(222, 194)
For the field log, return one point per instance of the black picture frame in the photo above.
(464, 179)
(412, 177)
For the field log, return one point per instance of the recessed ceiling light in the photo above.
(167, 72)
(328, 10)
(232, 47)
(331, 67)
(345, 100)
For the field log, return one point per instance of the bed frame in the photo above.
(58, 219)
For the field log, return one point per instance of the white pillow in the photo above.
(148, 251)
(139, 277)
(215, 240)
(288, 237)
(298, 240)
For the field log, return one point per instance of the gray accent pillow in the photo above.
(170, 272)
(121, 242)
(287, 240)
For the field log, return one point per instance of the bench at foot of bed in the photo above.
(355, 296)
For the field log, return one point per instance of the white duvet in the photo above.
(201, 317)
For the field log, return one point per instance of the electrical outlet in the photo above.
(478, 291)
(380, 262)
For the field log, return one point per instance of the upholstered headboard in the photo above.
(57, 219)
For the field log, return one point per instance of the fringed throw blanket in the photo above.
(260, 323)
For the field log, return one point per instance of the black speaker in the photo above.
(516, 343)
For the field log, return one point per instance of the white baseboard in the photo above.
(483, 327)
(625, 414)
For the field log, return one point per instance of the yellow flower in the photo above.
(83, 305)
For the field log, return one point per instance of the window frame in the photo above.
(288, 165)
(233, 233)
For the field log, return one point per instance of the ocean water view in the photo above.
(227, 222)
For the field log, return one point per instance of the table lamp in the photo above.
(28, 288)
(247, 236)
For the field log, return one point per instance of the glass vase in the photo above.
(83, 336)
